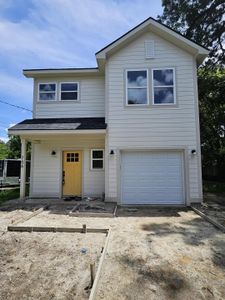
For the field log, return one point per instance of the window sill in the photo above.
(58, 101)
(149, 106)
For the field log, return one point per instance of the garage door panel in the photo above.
(152, 177)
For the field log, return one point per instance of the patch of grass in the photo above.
(214, 187)
(6, 195)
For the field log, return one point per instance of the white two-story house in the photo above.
(128, 129)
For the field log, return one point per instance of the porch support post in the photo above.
(23, 169)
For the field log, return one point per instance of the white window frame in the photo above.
(39, 83)
(103, 159)
(78, 91)
(147, 87)
(163, 86)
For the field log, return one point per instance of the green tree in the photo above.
(3, 150)
(14, 148)
(203, 21)
(212, 117)
(14, 145)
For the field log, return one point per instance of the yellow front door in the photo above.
(72, 166)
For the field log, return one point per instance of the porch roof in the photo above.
(58, 125)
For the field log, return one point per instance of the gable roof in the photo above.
(155, 26)
(160, 29)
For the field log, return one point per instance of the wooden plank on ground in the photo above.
(98, 273)
(91, 214)
(35, 213)
(55, 229)
(216, 224)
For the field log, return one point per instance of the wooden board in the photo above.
(216, 224)
(35, 213)
(98, 273)
(55, 229)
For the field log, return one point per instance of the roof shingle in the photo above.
(61, 124)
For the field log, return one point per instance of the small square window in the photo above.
(97, 164)
(72, 157)
(47, 91)
(97, 154)
(97, 159)
(69, 91)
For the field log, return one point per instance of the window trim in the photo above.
(174, 87)
(147, 87)
(47, 101)
(103, 160)
(78, 91)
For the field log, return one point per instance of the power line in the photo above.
(17, 106)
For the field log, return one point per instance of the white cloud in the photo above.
(4, 139)
(10, 125)
(68, 32)
(17, 87)
(59, 33)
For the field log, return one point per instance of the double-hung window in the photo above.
(97, 159)
(137, 87)
(163, 86)
(47, 91)
(69, 91)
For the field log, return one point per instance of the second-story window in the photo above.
(137, 87)
(47, 91)
(163, 87)
(69, 91)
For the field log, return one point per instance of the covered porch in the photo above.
(67, 157)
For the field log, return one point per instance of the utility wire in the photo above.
(17, 106)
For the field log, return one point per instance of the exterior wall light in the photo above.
(112, 152)
(193, 152)
(53, 153)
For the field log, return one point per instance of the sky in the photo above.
(56, 34)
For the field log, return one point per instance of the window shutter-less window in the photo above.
(149, 49)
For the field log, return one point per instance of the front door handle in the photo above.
(63, 177)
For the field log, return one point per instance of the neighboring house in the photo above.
(128, 128)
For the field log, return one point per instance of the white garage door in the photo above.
(152, 178)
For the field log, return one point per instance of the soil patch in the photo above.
(47, 265)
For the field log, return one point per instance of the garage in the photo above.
(152, 177)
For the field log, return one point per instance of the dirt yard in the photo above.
(45, 265)
(152, 254)
(213, 207)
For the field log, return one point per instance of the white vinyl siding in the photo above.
(46, 180)
(152, 126)
(91, 100)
